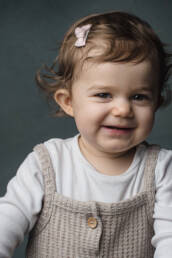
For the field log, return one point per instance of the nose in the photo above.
(122, 108)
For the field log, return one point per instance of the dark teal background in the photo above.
(29, 32)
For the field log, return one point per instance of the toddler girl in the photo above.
(104, 192)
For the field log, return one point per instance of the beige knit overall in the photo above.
(68, 228)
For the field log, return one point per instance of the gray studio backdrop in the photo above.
(29, 32)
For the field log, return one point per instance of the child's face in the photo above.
(114, 105)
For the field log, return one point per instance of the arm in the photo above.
(20, 206)
(162, 239)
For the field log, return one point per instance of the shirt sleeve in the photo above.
(162, 239)
(20, 206)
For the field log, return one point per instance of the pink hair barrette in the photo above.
(81, 33)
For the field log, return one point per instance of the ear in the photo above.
(64, 100)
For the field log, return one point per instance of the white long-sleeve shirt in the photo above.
(78, 179)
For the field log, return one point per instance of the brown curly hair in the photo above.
(121, 37)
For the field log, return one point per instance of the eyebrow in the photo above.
(99, 87)
(109, 87)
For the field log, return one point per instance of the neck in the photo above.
(107, 163)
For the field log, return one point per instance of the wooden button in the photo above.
(92, 222)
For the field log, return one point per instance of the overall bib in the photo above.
(68, 228)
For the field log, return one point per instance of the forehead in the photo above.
(117, 73)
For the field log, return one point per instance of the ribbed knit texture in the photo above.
(124, 229)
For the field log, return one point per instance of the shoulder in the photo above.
(58, 143)
(163, 169)
(164, 159)
(57, 146)
(164, 165)
(59, 150)
(163, 180)
(164, 155)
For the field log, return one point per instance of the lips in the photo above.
(118, 127)
(117, 130)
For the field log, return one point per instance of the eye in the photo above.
(103, 95)
(140, 97)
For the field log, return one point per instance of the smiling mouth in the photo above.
(117, 127)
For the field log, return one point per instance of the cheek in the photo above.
(89, 110)
(146, 118)
(88, 117)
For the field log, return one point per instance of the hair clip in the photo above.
(81, 33)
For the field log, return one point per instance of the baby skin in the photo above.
(114, 106)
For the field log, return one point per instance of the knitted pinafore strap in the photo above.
(60, 213)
